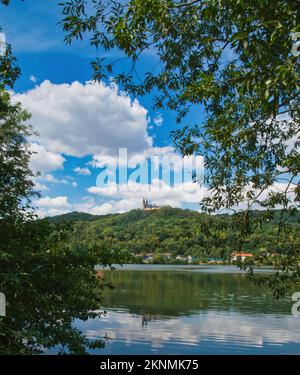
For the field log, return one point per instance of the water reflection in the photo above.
(207, 333)
(182, 293)
(192, 313)
(146, 318)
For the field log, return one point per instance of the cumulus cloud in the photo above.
(82, 171)
(93, 207)
(156, 154)
(119, 199)
(56, 202)
(48, 212)
(278, 187)
(60, 205)
(39, 186)
(158, 190)
(43, 182)
(43, 160)
(51, 179)
(82, 119)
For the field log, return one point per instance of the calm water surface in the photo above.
(192, 310)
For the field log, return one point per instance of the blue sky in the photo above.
(81, 124)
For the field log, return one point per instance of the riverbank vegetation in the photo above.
(176, 236)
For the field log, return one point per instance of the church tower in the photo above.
(144, 203)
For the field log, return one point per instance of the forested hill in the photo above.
(173, 230)
(74, 216)
(168, 211)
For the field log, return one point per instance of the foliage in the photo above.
(47, 284)
(16, 186)
(9, 71)
(185, 232)
(73, 217)
(231, 59)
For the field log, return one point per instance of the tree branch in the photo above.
(186, 4)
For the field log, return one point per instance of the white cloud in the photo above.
(48, 212)
(50, 178)
(33, 79)
(158, 191)
(134, 158)
(241, 333)
(115, 201)
(82, 119)
(277, 187)
(2, 44)
(43, 160)
(39, 186)
(103, 209)
(158, 120)
(111, 206)
(60, 205)
(56, 202)
(82, 171)
(93, 119)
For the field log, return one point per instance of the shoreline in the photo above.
(201, 268)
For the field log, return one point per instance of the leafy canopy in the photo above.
(231, 59)
(47, 284)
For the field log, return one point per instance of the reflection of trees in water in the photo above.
(179, 293)
(146, 318)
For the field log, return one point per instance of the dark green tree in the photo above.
(47, 284)
(16, 186)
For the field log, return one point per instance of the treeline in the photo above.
(181, 232)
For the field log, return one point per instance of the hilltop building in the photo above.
(148, 206)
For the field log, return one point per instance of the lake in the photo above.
(191, 310)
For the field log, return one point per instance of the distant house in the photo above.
(240, 256)
(148, 257)
(188, 259)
